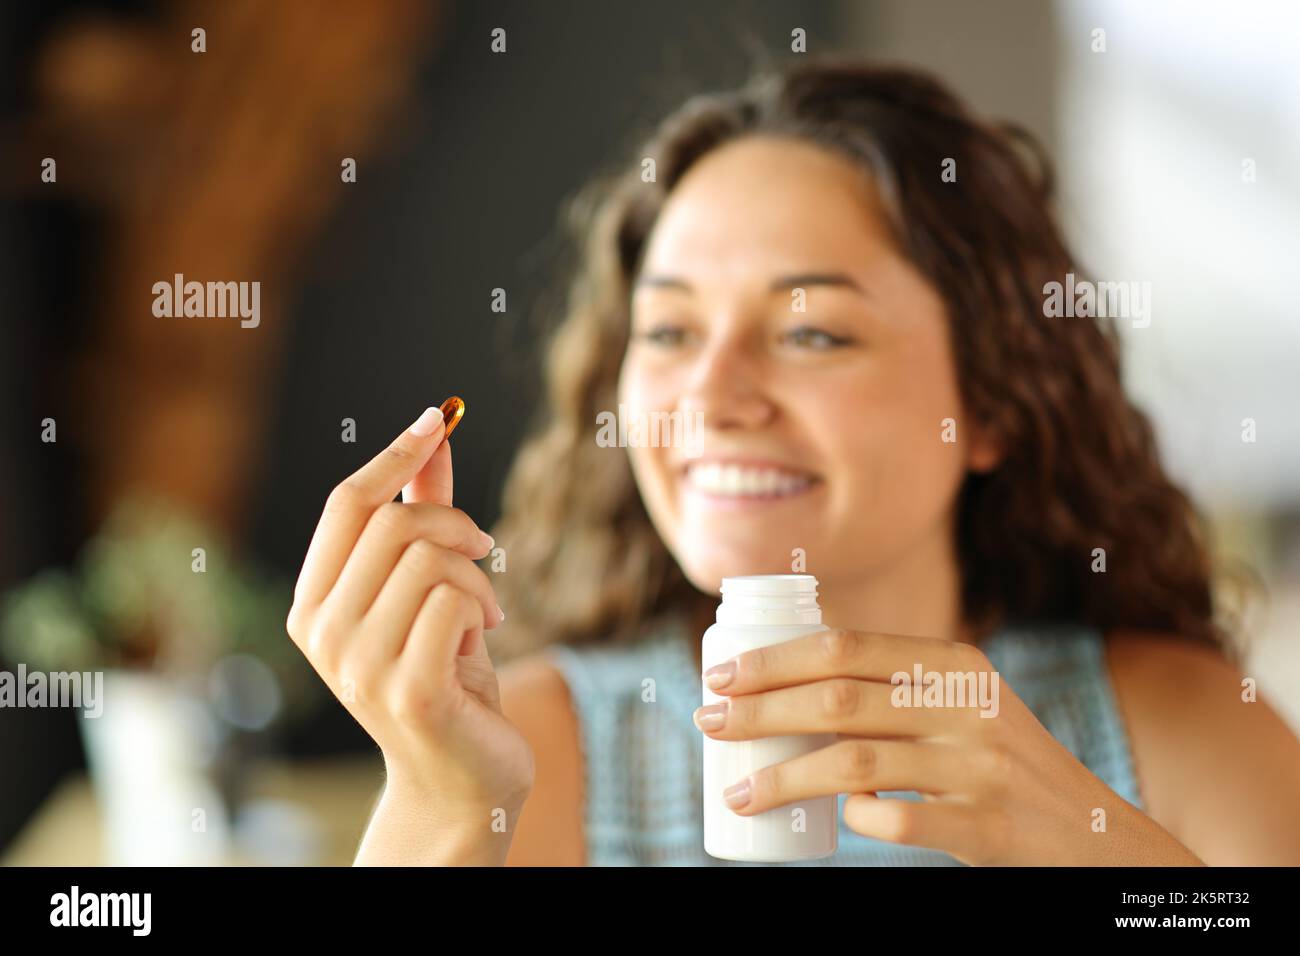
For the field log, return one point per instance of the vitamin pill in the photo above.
(453, 410)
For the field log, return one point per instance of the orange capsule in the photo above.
(453, 410)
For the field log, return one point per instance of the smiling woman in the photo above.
(885, 406)
(803, 273)
(849, 393)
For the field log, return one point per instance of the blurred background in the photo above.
(138, 451)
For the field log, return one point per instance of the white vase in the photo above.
(148, 754)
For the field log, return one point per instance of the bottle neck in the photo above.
(775, 600)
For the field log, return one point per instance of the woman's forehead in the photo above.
(766, 206)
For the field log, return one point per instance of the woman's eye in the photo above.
(806, 336)
(664, 335)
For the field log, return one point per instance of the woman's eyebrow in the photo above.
(797, 281)
(802, 280)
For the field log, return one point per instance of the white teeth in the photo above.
(739, 481)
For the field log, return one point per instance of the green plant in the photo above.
(154, 589)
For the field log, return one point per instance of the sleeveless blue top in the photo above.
(644, 760)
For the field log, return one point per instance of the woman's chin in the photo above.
(706, 574)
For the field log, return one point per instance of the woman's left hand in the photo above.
(998, 788)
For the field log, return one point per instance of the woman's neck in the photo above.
(918, 594)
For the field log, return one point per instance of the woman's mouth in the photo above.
(722, 481)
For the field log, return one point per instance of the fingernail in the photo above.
(720, 675)
(502, 614)
(711, 717)
(737, 795)
(427, 423)
(488, 541)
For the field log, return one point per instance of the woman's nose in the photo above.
(726, 388)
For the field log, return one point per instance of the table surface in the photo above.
(337, 794)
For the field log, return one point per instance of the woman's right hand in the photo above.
(390, 609)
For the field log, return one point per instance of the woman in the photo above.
(839, 274)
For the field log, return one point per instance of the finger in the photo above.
(422, 568)
(433, 482)
(840, 705)
(391, 528)
(842, 653)
(351, 503)
(852, 765)
(448, 620)
(955, 828)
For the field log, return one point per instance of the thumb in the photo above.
(433, 482)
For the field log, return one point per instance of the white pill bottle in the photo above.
(757, 611)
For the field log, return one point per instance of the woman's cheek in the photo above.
(930, 470)
(898, 473)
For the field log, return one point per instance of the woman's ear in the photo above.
(986, 449)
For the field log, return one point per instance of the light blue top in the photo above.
(644, 761)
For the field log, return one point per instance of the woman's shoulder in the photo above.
(1168, 687)
(621, 673)
(560, 698)
(561, 673)
(1139, 647)
(593, 702)
(1207, 747)
(535, 698)
(533, 686)
(1165, 688)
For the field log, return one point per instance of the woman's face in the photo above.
(823, 429)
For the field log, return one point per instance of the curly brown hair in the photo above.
(1080, 471)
